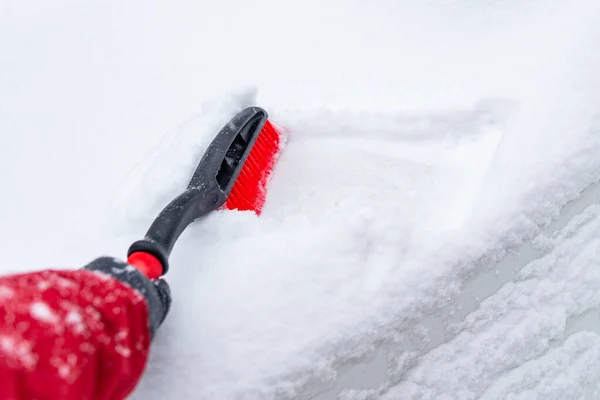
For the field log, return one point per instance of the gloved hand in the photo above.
(156, 292)
(78, 334)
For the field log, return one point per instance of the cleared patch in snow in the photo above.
(530, 322)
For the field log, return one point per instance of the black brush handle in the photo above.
(173, 219)
(209, 187)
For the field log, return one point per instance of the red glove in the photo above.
(81, 334)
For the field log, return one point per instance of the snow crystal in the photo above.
(75, 319)
(40, 311)
(64, 283)
(123, 351)
(64, 371)
(122, 334)
(7, 343)
(120, 340)
(19, 350)
(87, 348)
(6, 292)
(102, 275)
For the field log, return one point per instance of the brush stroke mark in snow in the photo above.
(520, 339)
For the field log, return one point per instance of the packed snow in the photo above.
(431, 226)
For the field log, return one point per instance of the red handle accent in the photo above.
(147, 264)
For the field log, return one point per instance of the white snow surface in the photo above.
(415, 225)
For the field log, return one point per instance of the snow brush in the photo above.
(232, 175)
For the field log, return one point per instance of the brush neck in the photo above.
(174, 219)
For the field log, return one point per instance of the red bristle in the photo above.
(249, 190)
(254, 168)
(261, 146)
(240, 199)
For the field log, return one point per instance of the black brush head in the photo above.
(225, 156)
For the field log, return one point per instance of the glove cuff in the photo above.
(156, 293)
